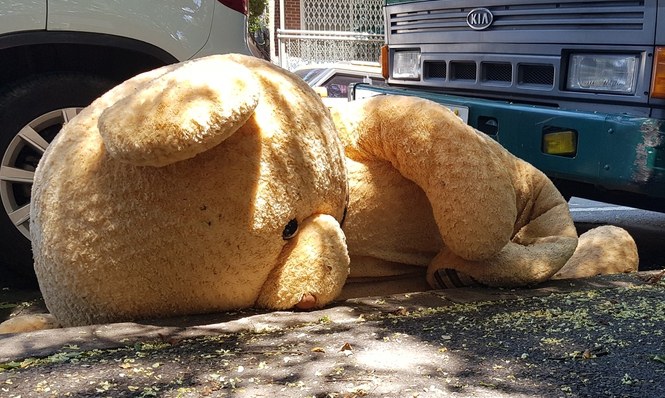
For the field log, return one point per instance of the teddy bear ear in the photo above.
(181, 113)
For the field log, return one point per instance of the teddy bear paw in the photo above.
(448, 278)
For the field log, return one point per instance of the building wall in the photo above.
(292, 14)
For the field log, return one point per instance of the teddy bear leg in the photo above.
(601, 251)
(312, 269)
(29, 323)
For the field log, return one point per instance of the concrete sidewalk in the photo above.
(602, 336)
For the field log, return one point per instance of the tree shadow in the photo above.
(572, 338)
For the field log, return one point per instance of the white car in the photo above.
(57, 56)
(332, 81)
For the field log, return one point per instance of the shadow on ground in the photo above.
(598, 337)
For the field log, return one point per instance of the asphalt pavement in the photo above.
(598, 337)
(646, 227)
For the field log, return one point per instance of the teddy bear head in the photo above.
(213, 184)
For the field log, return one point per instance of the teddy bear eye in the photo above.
(290, 229)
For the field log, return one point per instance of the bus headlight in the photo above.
(606, 73)
(406, 65)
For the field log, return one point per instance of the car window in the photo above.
(338, 85)
(308, 75)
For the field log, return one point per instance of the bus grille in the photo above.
(447, 16)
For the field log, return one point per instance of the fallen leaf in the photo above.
(401, 311)
(653, 279)
(319, 349)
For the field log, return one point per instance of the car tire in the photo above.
(39, 104)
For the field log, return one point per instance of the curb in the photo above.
(47, 342)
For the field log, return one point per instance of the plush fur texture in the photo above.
(431, 194)
(220, 183)
(601, 251)
(171, 194)
(25, 323)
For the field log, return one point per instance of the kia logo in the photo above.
(479, 18)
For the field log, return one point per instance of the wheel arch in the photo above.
(27, 57)
(114, 57)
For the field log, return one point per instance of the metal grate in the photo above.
(434, 70)
(496, 72)
(536, 74)
(462, 70)
(341, 30)
(343, 15)
(449, 17)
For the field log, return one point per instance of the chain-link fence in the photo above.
(333, 30)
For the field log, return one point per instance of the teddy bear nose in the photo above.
(290, 230)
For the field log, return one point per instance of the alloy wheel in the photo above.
(20, 161)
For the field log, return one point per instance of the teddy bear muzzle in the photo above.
(311, 269)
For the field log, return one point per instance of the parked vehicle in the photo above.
(577, 88)
(332, 81)
(57, 56)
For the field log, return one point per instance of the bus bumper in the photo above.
(610, 152)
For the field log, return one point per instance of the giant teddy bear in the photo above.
(221, 183)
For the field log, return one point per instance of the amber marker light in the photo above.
(561, 143)
(658, 80)
(384, 62)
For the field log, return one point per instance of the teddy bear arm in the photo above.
(515, 265)
(463, 177)
(536, 252)
(553, 223)
(476, 222)
(312, 268)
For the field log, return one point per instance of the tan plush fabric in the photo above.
(436, 153)
(429, 191)
(25, 323)
(601, 251)
(170, 195)
(389, 218)
(309, 264)
(179, 114)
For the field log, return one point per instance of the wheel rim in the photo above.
(20, 160)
